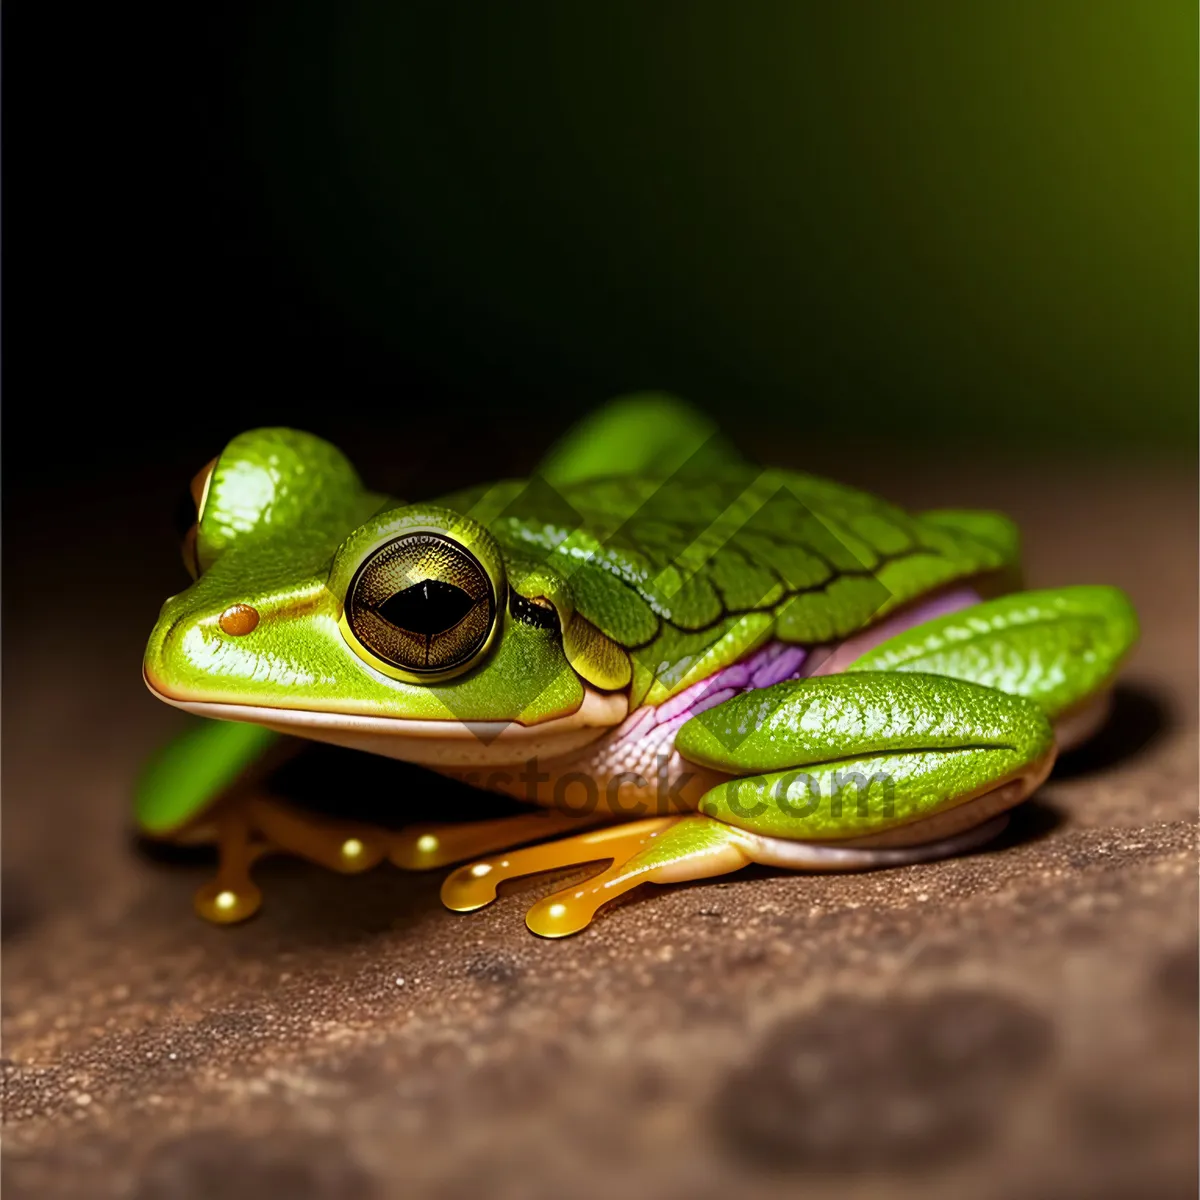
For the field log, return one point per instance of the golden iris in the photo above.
(422, 604)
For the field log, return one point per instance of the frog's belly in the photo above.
(631, 771)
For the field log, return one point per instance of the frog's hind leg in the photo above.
(1060, 647)
(694, 847)
(666, 850)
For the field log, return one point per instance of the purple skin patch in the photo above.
(777, 661)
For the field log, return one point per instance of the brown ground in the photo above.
(1017, 1022)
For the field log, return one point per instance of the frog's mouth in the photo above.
(426, 742)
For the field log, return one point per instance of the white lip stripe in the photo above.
(433, 743)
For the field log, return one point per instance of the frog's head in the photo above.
(322, 609)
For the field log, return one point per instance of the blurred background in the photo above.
(448, 226)
(944, 250)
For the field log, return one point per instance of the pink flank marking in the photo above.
(777, 661)
(837, 658)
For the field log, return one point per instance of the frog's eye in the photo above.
(188, 513)
(421, 607)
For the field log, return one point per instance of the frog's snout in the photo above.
(193, 644)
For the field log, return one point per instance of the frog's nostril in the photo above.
(238, 620)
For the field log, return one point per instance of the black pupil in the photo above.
(429, 607)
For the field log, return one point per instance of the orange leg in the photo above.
(338, 845)
(423, 847)
(252, 826)
(657, 850)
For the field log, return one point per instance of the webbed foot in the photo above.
(249, 827)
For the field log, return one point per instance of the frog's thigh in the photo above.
(948, 832)
(1060, 647)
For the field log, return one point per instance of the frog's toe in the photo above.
(657, 850)
(232, 897)
(253, 826)
(664, 850)
(338, 845)
(426, 847)
(694, 847)
(224, 903)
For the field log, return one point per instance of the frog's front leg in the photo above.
(232, 896)
(210, 784)
(250, 825)
(429, 846)
(832, 773)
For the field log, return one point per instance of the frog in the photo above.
(671, 662)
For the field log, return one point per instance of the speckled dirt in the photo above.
(1018, 1022)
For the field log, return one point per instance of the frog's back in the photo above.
(691, 571)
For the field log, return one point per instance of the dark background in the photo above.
(435, 232)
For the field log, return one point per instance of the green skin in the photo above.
(660, 558)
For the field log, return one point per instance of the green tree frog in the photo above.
(683, 663)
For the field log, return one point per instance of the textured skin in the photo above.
(1057, 647)
(668, 569)
(273, 480)
(804, 721)
(293, 566)
(916, 743)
